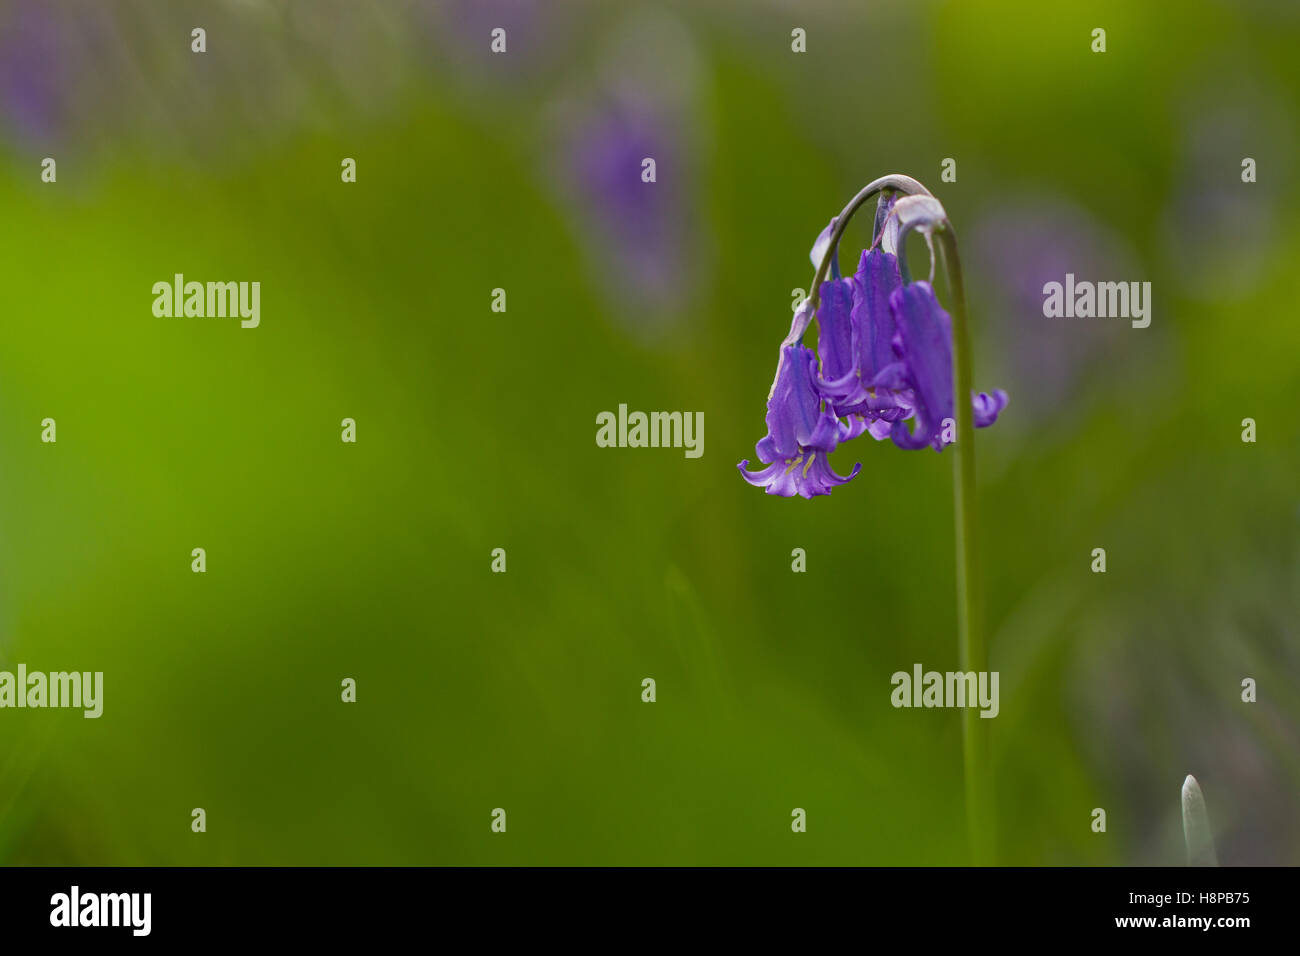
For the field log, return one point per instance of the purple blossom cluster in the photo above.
(883, 361)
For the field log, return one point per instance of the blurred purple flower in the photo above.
(34, 71)
(636, 226)
(538, 34)
(640, 232)
(1210, 201)
(1019, 247)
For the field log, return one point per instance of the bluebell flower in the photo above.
(922, 342)
(855, 342)
(800, 433)
(884, 361)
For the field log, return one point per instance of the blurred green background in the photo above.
(476, 429)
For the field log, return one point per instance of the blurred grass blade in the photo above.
(1196, 826)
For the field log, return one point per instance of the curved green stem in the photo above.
(970, 611)
(903, 184)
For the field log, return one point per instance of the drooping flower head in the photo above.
(884, 361)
